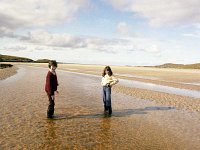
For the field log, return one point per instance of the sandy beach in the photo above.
(142, 118)
(177, 78)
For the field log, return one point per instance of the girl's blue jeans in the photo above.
(107, 96)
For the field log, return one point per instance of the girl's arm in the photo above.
(103, 82)
(114, 81)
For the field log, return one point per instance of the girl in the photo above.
(108, 80)
(51, 87)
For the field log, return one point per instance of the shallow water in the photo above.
(156, 78)
(151, 86)
(192, 83)
(160, 88)
(79, 121)
(138, 76)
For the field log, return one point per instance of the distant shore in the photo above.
(17, 59)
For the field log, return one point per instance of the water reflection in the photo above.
(159, 88)
(137, 76)
(106, 135)
(149, 86)
(50, 135)
(50, 130)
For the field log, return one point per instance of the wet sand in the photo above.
(178, 101)
(7, 72)
(178, 78)
(79, 122)
(149, 75)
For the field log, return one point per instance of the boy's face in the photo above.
(53, 68)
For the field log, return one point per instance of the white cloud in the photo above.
(123, 28)
(6, 32)
(194, 35)
(130, 44)
(43, 37)
(197, 25)
(162, 13)
(15, 47)
(27, 13)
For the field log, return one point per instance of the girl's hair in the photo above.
(52, 63)
(107, 68)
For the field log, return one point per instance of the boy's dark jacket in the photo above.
(51, 83)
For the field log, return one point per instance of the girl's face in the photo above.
(53, 68)
(107, 71)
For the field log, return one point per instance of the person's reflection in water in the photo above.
(106, 134)
(51, 129)
(50, 134)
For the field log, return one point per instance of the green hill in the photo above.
(180, 66)
(42, 61)
(7, 58)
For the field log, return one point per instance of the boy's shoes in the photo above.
(50, 117)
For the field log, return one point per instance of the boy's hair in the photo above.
(52, 63)
(107, 68)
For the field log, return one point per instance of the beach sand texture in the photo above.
(79, 122)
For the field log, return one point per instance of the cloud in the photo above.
(123, 28)
(162, 13)
(31, 13)
(44, 38)
(16, 47)
(194, 35)
(5, 32)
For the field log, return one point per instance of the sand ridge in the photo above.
(7, 72)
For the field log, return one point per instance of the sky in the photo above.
(108, 32)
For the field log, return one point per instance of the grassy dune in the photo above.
(7, 58)
(180, 66)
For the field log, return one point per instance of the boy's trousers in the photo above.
(50, 110)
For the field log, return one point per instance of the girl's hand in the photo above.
(108, 84)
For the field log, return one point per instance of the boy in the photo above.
(51, 87)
